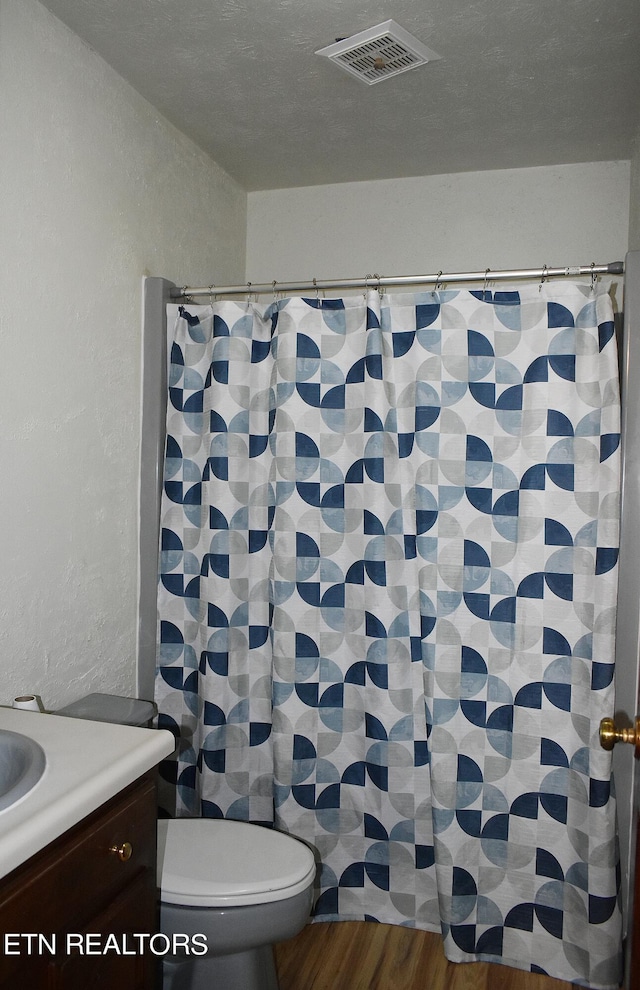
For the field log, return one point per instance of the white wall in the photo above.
(96, 190)
(516, 218)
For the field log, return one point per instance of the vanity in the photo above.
(78, 899)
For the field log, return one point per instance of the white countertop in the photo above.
(87, 763)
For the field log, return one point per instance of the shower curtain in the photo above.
(387, 605)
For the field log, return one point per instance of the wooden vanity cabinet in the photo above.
(98, 879)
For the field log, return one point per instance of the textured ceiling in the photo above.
(519, 83)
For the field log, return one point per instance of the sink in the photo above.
(22, 763)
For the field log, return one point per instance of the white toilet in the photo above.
(241, 886)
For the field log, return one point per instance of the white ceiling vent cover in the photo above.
(379, 53)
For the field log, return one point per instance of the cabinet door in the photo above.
(98, 876)
(130, 913)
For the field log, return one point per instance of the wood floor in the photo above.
(360, 955)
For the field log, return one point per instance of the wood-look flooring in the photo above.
(361, 955)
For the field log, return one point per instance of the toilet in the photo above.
(234, 887)
(242, 886)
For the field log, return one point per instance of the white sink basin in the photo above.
(77, 766)
(22, 763)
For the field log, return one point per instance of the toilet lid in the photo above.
(211, 862)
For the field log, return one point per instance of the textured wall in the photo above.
(515, 218)
(96, 190)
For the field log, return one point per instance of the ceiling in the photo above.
(519, 83)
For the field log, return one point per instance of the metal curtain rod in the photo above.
(381, 282)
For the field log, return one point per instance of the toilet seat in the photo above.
(212, 862)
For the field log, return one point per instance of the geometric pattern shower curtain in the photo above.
(387, 605)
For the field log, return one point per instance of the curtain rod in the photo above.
(383, 282)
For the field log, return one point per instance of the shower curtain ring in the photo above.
(544, 278)
(594, 276)
(438, 277)
(484, 287)
(211, 299)
(317, 288)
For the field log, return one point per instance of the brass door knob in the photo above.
(124, 851)
(610, 734)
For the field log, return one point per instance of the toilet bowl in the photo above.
(238, 887)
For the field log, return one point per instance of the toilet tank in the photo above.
(111, 708)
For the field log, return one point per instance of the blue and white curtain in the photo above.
(387, 605)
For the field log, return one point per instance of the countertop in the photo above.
(87, 764)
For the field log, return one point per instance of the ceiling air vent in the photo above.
(379, 53)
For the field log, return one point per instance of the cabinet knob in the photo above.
(124, 851)
(610, 734)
